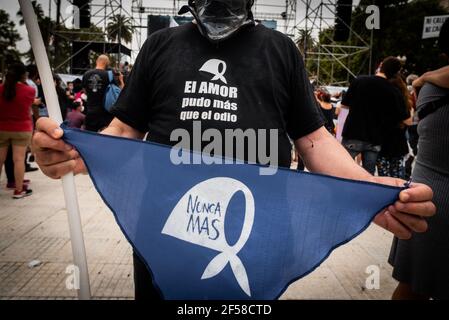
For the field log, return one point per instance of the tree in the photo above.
(46, 25)
(59, 55)
(400, 32)
(37, 10)
(305, 40)
(120, 28)
(8, 39)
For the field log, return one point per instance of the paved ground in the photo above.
(35, 228)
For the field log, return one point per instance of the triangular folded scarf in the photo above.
(224, 231)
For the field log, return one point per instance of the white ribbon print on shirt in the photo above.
(199, 218)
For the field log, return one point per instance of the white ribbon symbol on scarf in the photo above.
(216, 190)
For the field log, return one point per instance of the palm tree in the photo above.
(8, 40)
(304, 40)
(37, 10)
(120, 28)
(46, 25)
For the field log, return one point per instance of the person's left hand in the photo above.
(407, 214)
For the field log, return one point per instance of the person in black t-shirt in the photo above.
(375, 106)
(258, 78)
(95, 82)
(328, 110)
(390, 161)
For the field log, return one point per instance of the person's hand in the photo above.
(53, 155)
(419, 82)
(407, 214)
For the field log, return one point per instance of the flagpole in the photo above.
(68, 181)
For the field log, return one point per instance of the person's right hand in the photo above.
(418, 83)
(53, 155)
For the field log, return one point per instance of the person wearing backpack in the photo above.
(96, 83)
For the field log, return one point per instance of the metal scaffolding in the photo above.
(284, 14)
(315, 16)
(101, 11)
(321, 15)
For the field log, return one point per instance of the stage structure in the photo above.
(295, 18)
(280, 15)
(91, 13)
(316, 17)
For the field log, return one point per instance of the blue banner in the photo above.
(224, 231)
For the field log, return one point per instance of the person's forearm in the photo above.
(438, 77)
(322, 153)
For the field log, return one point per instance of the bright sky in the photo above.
(97, 9)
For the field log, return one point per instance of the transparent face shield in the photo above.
(219, 19)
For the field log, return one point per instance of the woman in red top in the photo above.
(16, 126)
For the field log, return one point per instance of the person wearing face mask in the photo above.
(224, 71)
(220, 19)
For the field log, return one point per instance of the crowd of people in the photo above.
(22, 103)
(374, 118)
(395, 124)
(371, 119)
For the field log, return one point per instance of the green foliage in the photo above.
(400, 33)
(58, 39)
(8, 39)
(120, 27)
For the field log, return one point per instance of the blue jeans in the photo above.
(369, 153)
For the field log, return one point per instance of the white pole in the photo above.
(68, 181)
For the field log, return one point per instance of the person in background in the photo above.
(63, 100)
(390, 161)
(32, 78)
(95, 82)
(75, 116)
(342, 113)
(69, 92)
(421, 263)
(375, 106)
(79, 93)
(77, 86)
(16, 125)
(125, 71)
(412, 129)
(328, 110)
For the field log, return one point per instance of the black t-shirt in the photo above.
(375, 106)
(395, 141)
(254, 80)
(329, 115)
(95, 82)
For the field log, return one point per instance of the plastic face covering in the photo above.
(221, 18)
